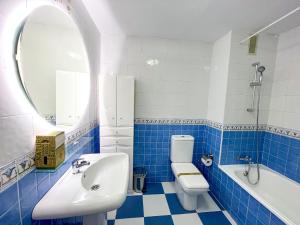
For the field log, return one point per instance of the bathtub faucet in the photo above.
(245, 158)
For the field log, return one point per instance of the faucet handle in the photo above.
(245, 158)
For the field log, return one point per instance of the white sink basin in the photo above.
(99, 188)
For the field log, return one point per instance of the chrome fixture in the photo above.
(95, 187)
(78, 163)
(245, 158)
(256, 85)
(257, 82)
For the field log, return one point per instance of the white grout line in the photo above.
(231, 220)
(19, 200)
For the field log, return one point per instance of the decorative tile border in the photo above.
(170, 121)
(179, 121)
(243, 127)
(214, 124)
(23, 165)
(8, 175)
(77, 133)
(16, 169)
(226, 127)
(283, 131)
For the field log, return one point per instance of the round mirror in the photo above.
(53, 66)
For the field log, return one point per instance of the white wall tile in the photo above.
(218, 78)
(16, 137)
(175, 88)
(241, 73)
(285, 98)
(197, 81)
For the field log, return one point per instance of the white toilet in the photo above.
(189, 181)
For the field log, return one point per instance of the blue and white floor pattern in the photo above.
(159, 206)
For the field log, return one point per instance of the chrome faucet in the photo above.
(245, 158)
(77, 164)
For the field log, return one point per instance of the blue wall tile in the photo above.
(245, 209)
(8, 198)
(11, 216)
(27, 184)
(43, 186)
(239, 143)
(282, 154)
(27, 203)
(278, 152)
(152, 148)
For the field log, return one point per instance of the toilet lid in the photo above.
(189, 181)
(193, 182)
(184, 168)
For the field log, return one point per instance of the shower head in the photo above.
(261, 69)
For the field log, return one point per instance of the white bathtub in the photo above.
(277, 193)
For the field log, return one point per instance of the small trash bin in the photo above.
(139, 174)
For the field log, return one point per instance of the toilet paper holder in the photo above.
(207, 156)
(207, 159)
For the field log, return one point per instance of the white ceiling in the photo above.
(205, 20)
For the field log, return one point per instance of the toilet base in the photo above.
(188, 201)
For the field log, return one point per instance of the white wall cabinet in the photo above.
(108, 104)
(72, 90)
(116, 113)
(125, 101)
(116, 131)
(65, 98)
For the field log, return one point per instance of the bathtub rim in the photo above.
(228, 170)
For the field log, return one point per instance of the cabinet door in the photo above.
(128, 150)
(65, 98)
(125, 101)
(124, 141)
(82, 93)
(116, 131)
(107, 131)
(124, 131)
(108, 141)
(108, 149)
(107, 98)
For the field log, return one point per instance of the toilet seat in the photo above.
(189, 183)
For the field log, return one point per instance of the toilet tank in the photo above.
(182, 147)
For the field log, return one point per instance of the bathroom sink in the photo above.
(100, 187)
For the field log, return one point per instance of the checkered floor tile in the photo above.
(159, 206)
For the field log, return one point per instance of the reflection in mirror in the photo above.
(53, 66)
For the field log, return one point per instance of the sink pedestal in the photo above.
(95, 219)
